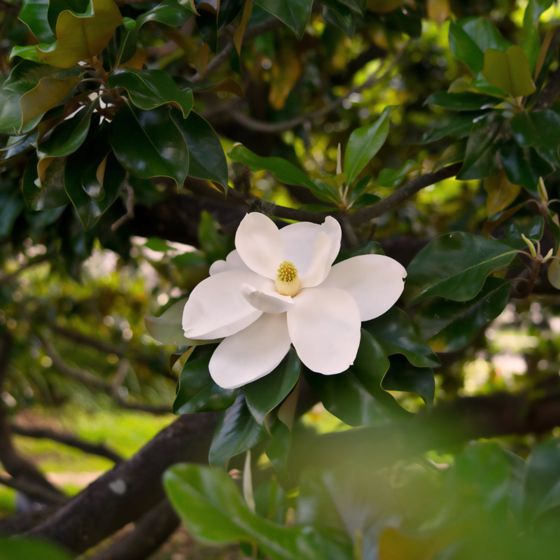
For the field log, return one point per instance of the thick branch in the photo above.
(148, 535)
(131, 489)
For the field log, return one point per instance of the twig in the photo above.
(405, 192)
(33, 490)
(70, 440)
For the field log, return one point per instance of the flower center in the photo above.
(287, 281)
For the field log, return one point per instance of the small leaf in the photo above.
(149, 89)
(540, 130)
(170, 12)
(455, 266)
(50, 193)
(553, 272)
(509, 71)
(265, 394)
(241, 28)
(403, 376)
(363, 144)
(236, 433)
(167, 328)
(159, 148)
(500, 193)
(215, 245)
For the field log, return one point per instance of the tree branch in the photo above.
(70, 440)
(404, 192)
(131, 489)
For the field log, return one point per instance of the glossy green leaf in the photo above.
(78, 36)
(265, 394)
(455, 266)
(68, 136)
(542, 482)
(393, 177)
(540, 130)
(509, 71)
(170, 12)
(167, 327)
(211, 506)
(34, 13)
(518, 165)
(196, 391)
(453, 325)
(19, 548)
(281, 169)
(207, 158)
(363, 144)
(293, 13)
(236, 433)
(92, 183)
(149, 89)
(397, 334)
(159, 148)
(480, 154)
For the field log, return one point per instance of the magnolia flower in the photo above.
(280, 288)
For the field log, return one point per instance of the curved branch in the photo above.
(131, 489)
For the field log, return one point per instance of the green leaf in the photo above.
(34, 13)
(159, 148)
(452, 326)
(509, 71)
(196, 391)
(293, 13)
(211, 506)
(93, 179)
(390, 177)
(170, 12)
(455, 266)
(167, 328)
(469, 38)
(540, 130)
(149, 89)
(281, 169)
(18, 548)
(78, 36)
(265, 394)
(363, 144)
(207, 158)
(29, 92)
(397, 334)
(530, 38)
(480, 155)
(518, 165)
(236, 433)
(68, 136)
(455, 126)
(461, 101)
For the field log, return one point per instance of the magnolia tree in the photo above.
(338, 219)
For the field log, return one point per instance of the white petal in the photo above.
(259, 244)
(312, 248)
(233, 262)
(324, 326)
(267, 300)
(251, 353)
(216, 307)
(374, 281)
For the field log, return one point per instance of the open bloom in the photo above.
(278, 288)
